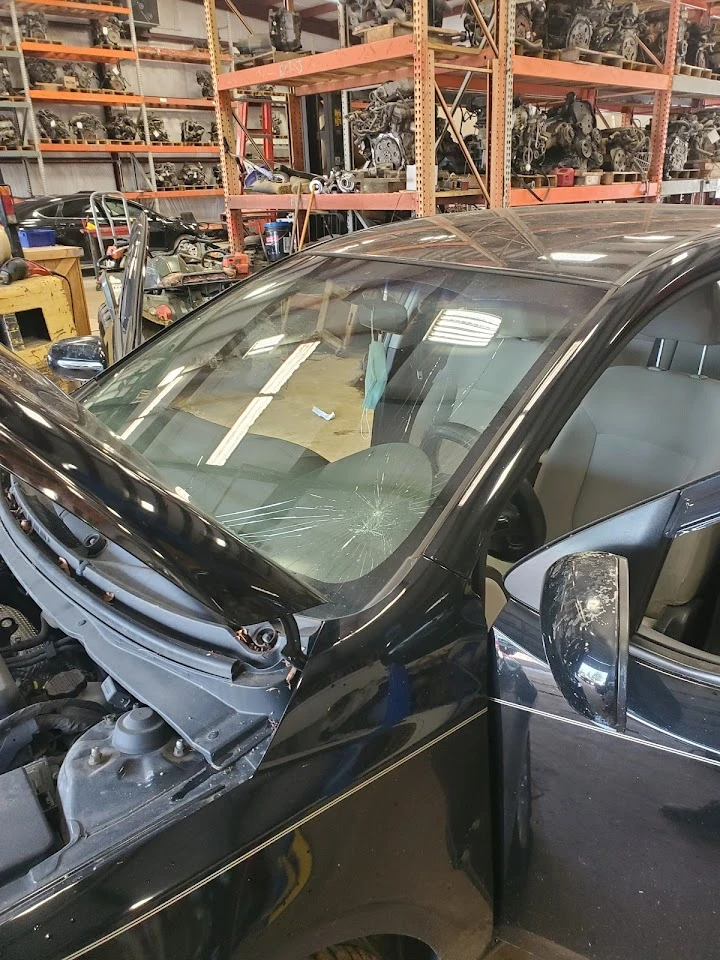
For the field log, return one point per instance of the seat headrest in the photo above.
(693, 319)
(522, 319)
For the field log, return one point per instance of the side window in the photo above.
(49, 210)
(77, 207)
(646, 427)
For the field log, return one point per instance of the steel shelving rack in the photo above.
(495, 69)
(79, 10)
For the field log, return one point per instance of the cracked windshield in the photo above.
(320, 410)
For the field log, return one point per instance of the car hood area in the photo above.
(51, 442)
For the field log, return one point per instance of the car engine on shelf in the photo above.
(367, 13)
(87, 127)
(156, 126)
(51, 126)
(9, 136)
(40, 70)
(594, 25)
(84, 76)
(193, 175)
(34, 26)
(107, 32)
(383, 131)
(191, 131)
(284, 28)
(625, 149)
(166, 176)
(120, 126)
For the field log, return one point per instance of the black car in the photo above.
(68, 215)
(417, 663)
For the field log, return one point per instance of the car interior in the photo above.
(645, 427)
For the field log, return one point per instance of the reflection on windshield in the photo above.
(308, 410)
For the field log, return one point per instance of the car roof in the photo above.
(587, 242)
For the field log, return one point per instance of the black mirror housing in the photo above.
(77, 358)
(584, 616)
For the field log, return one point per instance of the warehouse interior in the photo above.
(359, 479)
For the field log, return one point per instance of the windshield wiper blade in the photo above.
(51, 442)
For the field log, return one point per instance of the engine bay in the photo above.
(86, 760)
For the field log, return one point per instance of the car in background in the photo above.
(67, 215)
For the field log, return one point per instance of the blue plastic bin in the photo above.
(36, 237)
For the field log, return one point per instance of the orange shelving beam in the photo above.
(75, 8)
(187, 148)
(169, 194)
(179, 103)
(521, 197)
(94, 148)
(61, 51)
(104, 99)
(180, 56)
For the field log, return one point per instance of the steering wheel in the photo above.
(521, 526)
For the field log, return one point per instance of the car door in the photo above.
(611, 837)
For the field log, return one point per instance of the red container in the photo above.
(565, 176)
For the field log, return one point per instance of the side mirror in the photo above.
(77, 358)
(584, 616)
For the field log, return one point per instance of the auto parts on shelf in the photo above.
(40, 70)
(383, 131)
(625, 149)
(367, 13)
(284, 29)
(166, 176)
(121, 126)
(6, 84)
(156, 128)
(193, 174)
(9, 136)
(85, 126)
(34, 26)
(51, 126)
(107, 32)
(113, 79)
(205, 82)
(82, 73)
(594, 25)
(191, 131)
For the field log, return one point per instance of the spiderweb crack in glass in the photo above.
(221, 405)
